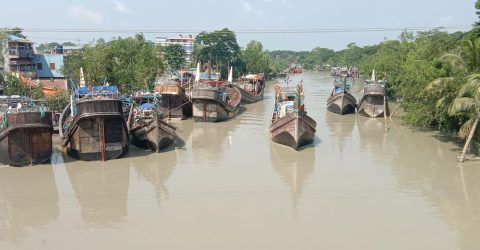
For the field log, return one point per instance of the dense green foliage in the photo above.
(219, 49)
(256, 60)
(130, 63)
(174, 56)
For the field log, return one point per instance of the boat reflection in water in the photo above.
(293, 168)
(373, 136)
(156, 169)
(340, 128)
(28, 200)
(101, 189)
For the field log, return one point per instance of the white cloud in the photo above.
(249, 8)
(81, 13)
(120, 7)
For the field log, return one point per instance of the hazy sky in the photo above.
(239, 15)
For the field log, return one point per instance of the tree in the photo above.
(219, 48)
(174, 56)
(256, 60)
(468, 102)
(46, 47)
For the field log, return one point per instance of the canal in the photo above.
(226, 186)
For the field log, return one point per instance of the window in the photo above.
(39, 66)
(52, 66)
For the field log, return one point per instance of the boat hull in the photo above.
(154, 136)
(174, 102)
(27, 139)
(210, 106)
(341, 103)
(99, 132)
(293, 130)
(248, 97)
(373, 106)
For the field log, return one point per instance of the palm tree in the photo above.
(468, 101)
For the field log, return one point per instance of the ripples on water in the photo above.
(227, 186)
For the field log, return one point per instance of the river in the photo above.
(227, 186)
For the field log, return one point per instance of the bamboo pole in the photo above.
(391, 114)
(385, 112)
(470, 136)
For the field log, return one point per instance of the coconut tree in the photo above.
(468, 102)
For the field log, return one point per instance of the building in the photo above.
(186, 41)
(48, 65)
(18, 56)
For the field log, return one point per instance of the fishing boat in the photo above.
(291, 126)
(213, 99)
(295, 68)
(93, 125)
(251, 87)
(174, 101)
(146, 126)
(25, 132)
(341, 100)
(372, 101)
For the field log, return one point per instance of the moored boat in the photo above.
(147, 129)
(291, 126)
(174, 102)
(25, 132)
(372, 101)
(214, 100)
(341, 101)
(251, 88)
(96, 128)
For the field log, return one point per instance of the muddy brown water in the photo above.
(226, 186)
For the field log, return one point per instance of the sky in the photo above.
(185, 17)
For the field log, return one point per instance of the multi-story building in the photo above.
(186, 41)
(18, 56)
(48, 65)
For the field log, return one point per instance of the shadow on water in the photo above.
(28, 199)
(293, 168)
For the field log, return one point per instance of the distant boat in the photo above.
(373, 100)
(251, 87)
(341, 101)
(146, 126)
(213, 100)
(93, 126)
(295, 68)
(291, 126)
(25, 132)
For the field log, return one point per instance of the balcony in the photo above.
(20, 53)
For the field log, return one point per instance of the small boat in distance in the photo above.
(341, 101)
(147, 129)
(93, 126)
(291, 126)
(25, 132)
(213, 100)
(251, 87)
(372, 99)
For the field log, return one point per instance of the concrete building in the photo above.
(186, 41)
(18, 56)
(48, 65)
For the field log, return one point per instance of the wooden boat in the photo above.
(147, 129)
(96, 129)
(251, 88)
(213, 100)
(25, 132)
(174, 102)
(341, 101)
(291, 126)
(373, 100)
